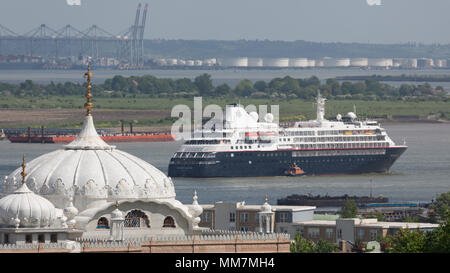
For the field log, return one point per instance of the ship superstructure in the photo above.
(247, 147)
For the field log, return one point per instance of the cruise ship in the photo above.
(247, 146)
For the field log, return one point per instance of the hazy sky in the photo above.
(426, 21)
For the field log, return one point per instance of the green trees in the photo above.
(349, 209)
(416, 241)
(441, 207)
(204, 84)
(303, 245)
(277, 88)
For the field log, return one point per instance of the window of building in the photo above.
(340, 233)
(283, 230)
(361, 233)
(329, 232)
(373, 234)
(41, 238)
(53, 238)
(103, 223)
(284, 217)
(206, 216)
(232, 217)
(244, 217)
(28, 238)
(244, 229)
(6, 238)
(136, 218)
(301, 231)
(169, 222)
(313, 232)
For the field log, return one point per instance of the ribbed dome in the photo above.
(92, 171)
(26, 209)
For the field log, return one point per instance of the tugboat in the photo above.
(294, 170)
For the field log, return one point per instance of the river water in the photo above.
(418, 175)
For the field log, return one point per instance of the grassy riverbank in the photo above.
(67, 111)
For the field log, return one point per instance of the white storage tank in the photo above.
(210, 62)
(440, 63)
(359, 62)
(160, 61)
(198, 62)
(255, 62)
(298, 62)
(276, 62)
(190, 62)
(380, 62)
(343, 62)
(311, 63)
(181, 62)
(319, 63)
(234, 62)
(172, 61)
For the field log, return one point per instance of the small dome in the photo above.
(27, 209)
(266, 208)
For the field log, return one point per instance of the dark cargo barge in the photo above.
(328, 201)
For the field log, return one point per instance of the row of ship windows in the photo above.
(193, 155)
(332, 132)
(338, 152)
(340, 139)
(341, 145)
(287, 162)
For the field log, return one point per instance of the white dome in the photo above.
(26, 209)
(91, 171)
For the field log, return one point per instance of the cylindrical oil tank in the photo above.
(381, 62)
(440, 63)
(343, 62)
(234, 62)
(172, 61)
(210, 62)
(319, 63)
(255, 62)
(190, 63)
(359, 62)
(198, 62)
(276, 62)
(181, 62)
(298, 62)
(160, 61)
(311, 63)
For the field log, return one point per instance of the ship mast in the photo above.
(320, 107)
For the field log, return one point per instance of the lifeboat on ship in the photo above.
(294, 170)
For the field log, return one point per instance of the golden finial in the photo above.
(23, 173)
(88, 105)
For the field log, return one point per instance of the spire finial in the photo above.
(117, 204)
(88, 105)
(266, 198)
(23, 173)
